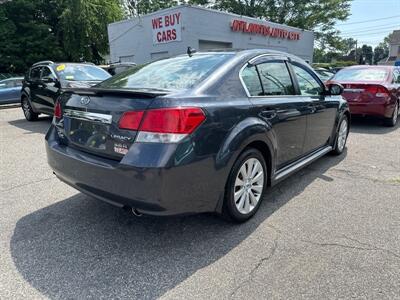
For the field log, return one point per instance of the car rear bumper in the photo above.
(155, 190)
(371, 109)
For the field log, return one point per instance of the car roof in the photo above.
(370, 67)
(250, 53)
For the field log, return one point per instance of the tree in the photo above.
(135, 8)
(382, 50)
(366, 55)
(83, 27)
(25, 38)
(59, 30)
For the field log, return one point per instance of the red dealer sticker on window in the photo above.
(167, 28)
(265, 30)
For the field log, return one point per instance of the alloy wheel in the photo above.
(249, 185)
(395, 114)
(26, 108)
(342, 136)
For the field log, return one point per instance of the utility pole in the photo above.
(355, 53)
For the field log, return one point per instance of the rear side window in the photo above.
(176, 73)
(35, 73)
(309, 86)
(275, 78)
(252, 81)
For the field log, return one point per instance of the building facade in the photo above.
(171, 31)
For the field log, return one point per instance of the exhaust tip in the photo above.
(136, 212)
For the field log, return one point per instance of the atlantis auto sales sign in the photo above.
(167, 28)
(264, 30)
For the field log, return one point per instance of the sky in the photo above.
(363, 24)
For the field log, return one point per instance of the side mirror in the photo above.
(49, 80)
(335, 89)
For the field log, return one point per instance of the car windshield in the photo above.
(362, 74)
(74, 72)
(176, 73)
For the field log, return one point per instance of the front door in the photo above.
(48, 91)
(272, 93)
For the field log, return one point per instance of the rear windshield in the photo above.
(365, 74)
(176, 73)
(73, 72)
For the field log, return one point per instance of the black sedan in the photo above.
(207, 132)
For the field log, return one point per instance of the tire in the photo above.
(243, 206)
(341, 136)
(29, 114)
(392, 121)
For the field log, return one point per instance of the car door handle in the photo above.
(268, 114)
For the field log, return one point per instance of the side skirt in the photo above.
(296, 166)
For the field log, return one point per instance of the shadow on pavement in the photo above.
(370, 125)
(83, 248)
(39, 126)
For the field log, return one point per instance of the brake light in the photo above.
(57, 110)
(182, 120)
(377, 90)
(131, 120)
(165, 125)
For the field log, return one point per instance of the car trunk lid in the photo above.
(91, 119)
(359, 92)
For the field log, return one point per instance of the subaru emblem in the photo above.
(85, 100)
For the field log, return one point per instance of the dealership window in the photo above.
(212, 45)
(275, 78)
(309, 86)
(159, 55)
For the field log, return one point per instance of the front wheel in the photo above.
(391, 122)
(29, 114)
(246, 186)
(341, 136)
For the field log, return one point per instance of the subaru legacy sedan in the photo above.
(207, 132)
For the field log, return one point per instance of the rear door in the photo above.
(34, 86)
(275, 101)
(47, 92)
(321, 111)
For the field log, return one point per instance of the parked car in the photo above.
(10, 90)
(201, 133)
(45, 80)
(372, 91)
(324, 74)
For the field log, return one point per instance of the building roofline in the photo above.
(209, 10)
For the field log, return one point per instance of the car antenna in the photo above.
(190, 51)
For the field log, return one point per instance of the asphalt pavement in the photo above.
(330, 231)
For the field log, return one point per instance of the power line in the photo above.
(368, 21)
(372, 28)
(366, 33)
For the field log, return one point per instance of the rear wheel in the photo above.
(246, 186)
(341, 136)
(29, 114)
(393, 120)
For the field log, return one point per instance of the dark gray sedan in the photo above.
(207, 132)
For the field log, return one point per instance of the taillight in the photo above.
(57, 110)
(165, 125)
(131, 120)
(377, 90)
